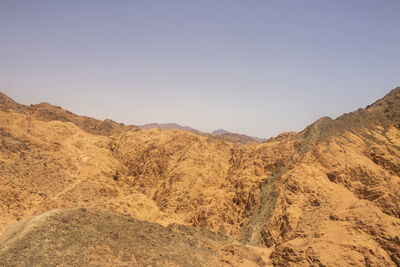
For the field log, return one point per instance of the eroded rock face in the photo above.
(327, 196)
(338, 201)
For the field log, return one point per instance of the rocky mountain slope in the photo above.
(169, 126)
(327, 196)
(237, 138)
(223, 134)
(80, 237)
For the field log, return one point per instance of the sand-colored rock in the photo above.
(327, 196)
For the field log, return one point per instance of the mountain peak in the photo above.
(169, 126)
(220, 132)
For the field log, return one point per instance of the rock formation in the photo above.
(326, 196)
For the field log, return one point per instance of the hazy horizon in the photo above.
(257, 68)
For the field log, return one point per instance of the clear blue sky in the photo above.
(254, 67)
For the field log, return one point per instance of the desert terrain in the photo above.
(76, 191)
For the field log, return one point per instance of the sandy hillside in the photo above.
(327, 196)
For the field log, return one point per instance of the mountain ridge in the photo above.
(169, 126)
(326, 196)
(232, 137)
(45, 111)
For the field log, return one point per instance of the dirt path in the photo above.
(68, 188)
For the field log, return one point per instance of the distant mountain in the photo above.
(221, 133)
(237, 138)
(169, 126)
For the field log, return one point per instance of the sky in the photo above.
(253, 67)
